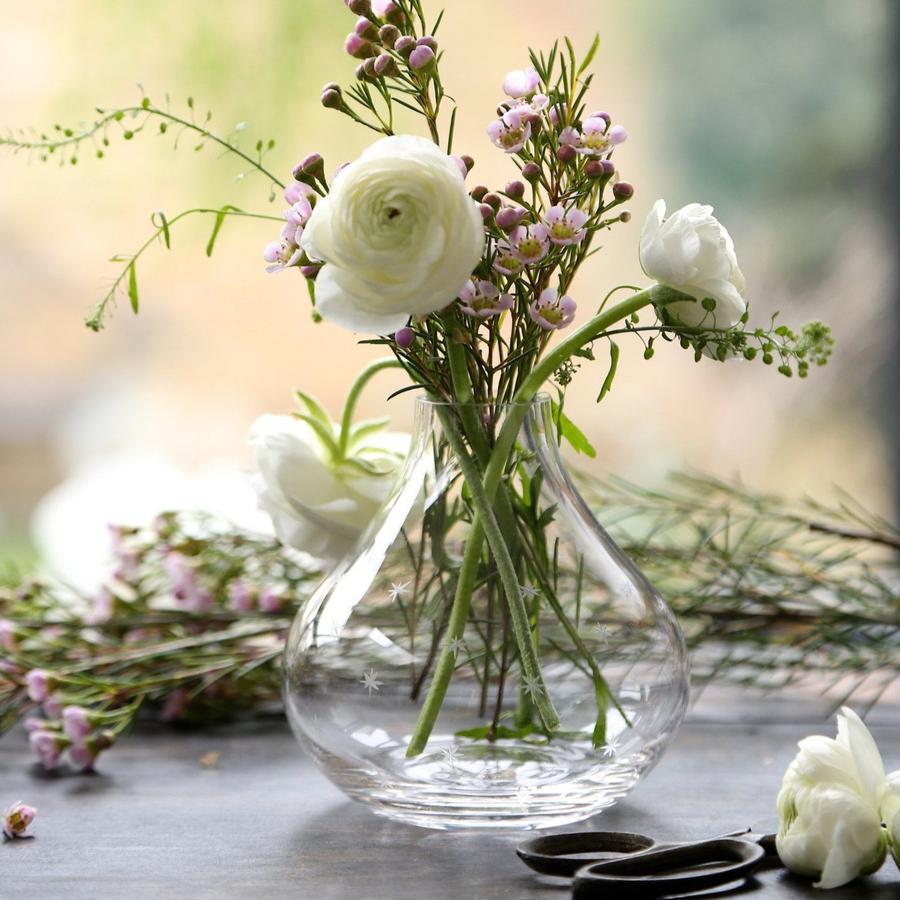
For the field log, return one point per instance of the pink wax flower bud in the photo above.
(389, 11)
(468, 162)
(360, 7)
(17, 819)
(427, 41)
(625, 216)
(76, 723)
(601, 114)
(422, 57)
(566, 153)
(388, 35)
(521, 83)
(486, 211)
(52, 707)
(83, 756)
(33, 723)
(386, 66)
(509, 217)
(360, 73)
(551, 311)
(38, 682)
(404, 338)
(460, 164)
(366, 29)
(515, 190)
(48, 747)
(495, 201)
(554, 116)
(478, 193)
(358, 47)
(622, 190)
(531, 172)
(312, 165)
(7, 635)
(332, 99)
(405, 45)
(270, 600)
(593, 168)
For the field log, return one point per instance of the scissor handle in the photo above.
(669, 870)
(549, 854)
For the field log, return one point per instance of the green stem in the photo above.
(356, 389)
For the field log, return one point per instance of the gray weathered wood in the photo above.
(264, 823)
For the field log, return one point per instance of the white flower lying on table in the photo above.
(833, 802)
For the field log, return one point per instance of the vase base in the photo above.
(495, 799)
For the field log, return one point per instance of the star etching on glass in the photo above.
(370, 681)
(529, 591)
(398, 590)
(451, 756)
(532, 685)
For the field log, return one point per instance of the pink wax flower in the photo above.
(284, 253)
(48, 747)
(565, 227)
(270, 600)
(298, 214)
(511, 132)
(521, 83)
(76, 723)
(17, 819)
(7, 635)
(38, 683)
(597, 138)
(482, 299)
(524, 246)
(241, 596)
(33, 723)
(297, 190)
(102, 607)
(551, 311)
(186, 590)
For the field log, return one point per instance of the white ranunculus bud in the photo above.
(399, 236)
(319, 505)
(830, 806)
(691, 252)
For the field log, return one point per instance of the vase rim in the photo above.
(427, 401)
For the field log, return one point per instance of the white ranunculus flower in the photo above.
(890, 813)
(318, 504)
(830, 806)
(398, 233)
(692, 252)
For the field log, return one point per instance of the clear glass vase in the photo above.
(414, 695)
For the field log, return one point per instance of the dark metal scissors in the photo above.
(620, 864)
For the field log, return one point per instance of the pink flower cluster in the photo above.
(67, 728)
(243, 597)
(482, 299)
(285, 252)
(528, 111)
(190, 595)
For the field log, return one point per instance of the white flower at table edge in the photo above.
(832, 805)
(321, 503)
(691, 252)
(17, 819)
(398, 236)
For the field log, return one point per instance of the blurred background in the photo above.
(777, 114)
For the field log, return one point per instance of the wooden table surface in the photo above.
(264, 823)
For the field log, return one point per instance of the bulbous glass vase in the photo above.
(406, 676)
